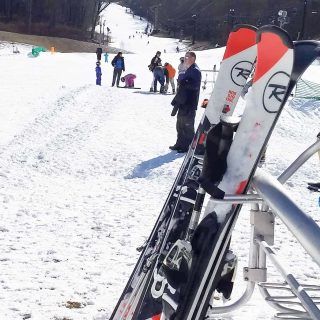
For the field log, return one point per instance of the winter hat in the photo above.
(158, 52)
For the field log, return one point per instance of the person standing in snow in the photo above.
(118, 65)
(99, 53)
(98, 74)
(106, 57)
(155, 62)
(185, 103)
(171, 72)
(158, 74)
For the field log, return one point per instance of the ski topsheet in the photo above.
(136, 301)
(279, 64)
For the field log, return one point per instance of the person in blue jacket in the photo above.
(98, 74)
(118, 65)
(158, 76)
(185, 103)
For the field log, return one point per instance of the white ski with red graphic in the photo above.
(279, 64)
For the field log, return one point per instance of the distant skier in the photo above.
(98, 73)
(177, 49)
(99, 53)
(129, 80)
(118, 64)
(106, 57)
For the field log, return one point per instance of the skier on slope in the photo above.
(185, 103)
(118, 64)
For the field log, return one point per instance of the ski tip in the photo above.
(310, 45)
(242, 37)
(305, 51)
(275, 30)
(243, 26)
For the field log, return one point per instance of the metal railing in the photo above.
(295, 301)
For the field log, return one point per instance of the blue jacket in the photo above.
(118, 63)
(98, 72)
(187, 97)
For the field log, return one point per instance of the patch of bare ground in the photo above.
(60, 44)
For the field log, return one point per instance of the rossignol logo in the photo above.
(275, 91)
(240, 72)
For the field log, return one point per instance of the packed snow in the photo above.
(86, 169)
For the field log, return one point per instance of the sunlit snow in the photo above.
(85, 170)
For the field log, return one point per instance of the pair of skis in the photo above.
(182, 197)
(182, 262)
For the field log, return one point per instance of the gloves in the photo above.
(174, 111)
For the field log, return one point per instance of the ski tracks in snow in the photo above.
(62, 175)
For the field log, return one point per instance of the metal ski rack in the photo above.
(290, 298)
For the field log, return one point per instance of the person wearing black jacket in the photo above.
(99, 53)
(155, 62)
(118, 65)
(185, 103)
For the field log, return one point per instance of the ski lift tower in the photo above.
(283, 18)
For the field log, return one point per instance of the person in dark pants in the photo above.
(118, 64)
(99, 53)
(155, 62)
(185, 103)
(158, 76)
(98, 74)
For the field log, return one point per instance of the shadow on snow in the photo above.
(142, 170)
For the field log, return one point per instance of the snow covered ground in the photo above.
(85, 170)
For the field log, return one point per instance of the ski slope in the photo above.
(85, 170)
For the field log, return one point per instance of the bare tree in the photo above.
(100, 5)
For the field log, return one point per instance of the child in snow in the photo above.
(98, 74)
(129, 80)
(106, 56)
(170, 74)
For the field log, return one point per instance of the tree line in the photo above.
(73, 18)
(196, 19)
(212, 20)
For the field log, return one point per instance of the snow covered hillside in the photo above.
(85, 170)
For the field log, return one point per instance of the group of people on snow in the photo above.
(186, 93)
(118, 67)
(164, 74)
(186, 99)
